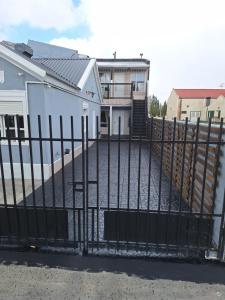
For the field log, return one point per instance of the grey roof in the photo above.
(41, 49)
(68, 70)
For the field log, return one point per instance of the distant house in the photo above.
(55, 81)
(124, 85)
(194, 103)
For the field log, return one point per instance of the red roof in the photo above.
(199, 93)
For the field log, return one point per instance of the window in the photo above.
(184, 112)
(105, 77)
(105, 90)
(138, 80)
(12, 126)
(211, 114)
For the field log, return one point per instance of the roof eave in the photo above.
(22, 63)
(86, 74)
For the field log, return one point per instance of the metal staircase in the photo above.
(139, 118)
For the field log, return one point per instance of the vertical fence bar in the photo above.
(222, 232)
(190, 215)
(79, 227)
(128, 180)
(97, 176)
(222, 248)
(32, 175)
(150, 162)
(92, 228)
(118, 174)
(42, 177)
(217, 155)
(63, 167)
(4, 192)
(84, 187)
(149, 178)
(181, 183)
(161, 164)
(63, 163)
(73, 179)
(118, 184)
(128, 177)
(183, 164)
(53, 175)
(23, 181)
(12, 178)
(139, 186)
(109, 164)
(160, 179)
(87, 185)
(204, 182)
(194, 164)
(171, 181)
(108, 169)
(139, 172)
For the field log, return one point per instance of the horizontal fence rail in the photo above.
(64, 185)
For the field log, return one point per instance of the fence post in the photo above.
(219, 204)
(84, 187)
(221, 253)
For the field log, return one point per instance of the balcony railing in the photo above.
(134, 90)
(117, 90)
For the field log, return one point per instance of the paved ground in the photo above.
(103, 181)
(138, 184)
(47, 276)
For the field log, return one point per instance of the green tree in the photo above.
(154, 108)
(163, 109)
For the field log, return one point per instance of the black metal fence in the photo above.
(108, 195)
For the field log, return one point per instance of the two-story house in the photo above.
(124, 85)
(196, 103)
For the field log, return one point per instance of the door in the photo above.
(115, 115)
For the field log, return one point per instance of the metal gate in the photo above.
(158, 195)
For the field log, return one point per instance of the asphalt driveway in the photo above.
(48, 276)
(136, 187)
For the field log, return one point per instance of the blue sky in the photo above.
(24, 32)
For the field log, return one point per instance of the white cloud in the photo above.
(183, 39)
(44, 14)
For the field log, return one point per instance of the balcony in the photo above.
(134, 90)
(117, 90)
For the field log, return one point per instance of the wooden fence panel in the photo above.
(192, 173)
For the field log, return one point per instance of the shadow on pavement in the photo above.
(152, 269)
